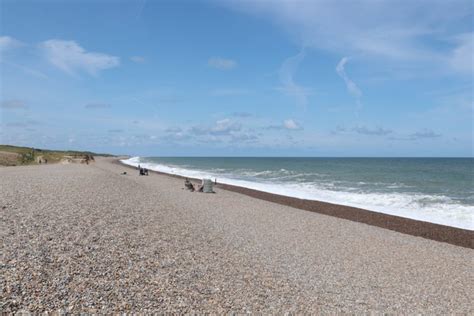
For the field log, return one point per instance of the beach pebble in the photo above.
(84, 239)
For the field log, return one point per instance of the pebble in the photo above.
(84, 239)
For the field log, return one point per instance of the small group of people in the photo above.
(142, 171)
(188, 185)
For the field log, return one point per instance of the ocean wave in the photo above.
(431, 208)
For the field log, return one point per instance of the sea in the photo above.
(437, 190)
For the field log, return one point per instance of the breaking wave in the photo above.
(437, 209)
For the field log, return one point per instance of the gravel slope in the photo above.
(85, 238)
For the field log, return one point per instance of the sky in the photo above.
(239, 78)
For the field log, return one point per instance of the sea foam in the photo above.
(435, 209)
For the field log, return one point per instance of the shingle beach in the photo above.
(85, 238)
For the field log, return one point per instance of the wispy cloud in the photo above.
(378, 131)
(13, 104)
(138, 59)
(425, 133)
(97, 106)
(289, 86)
(388, 30)
(339, 130)
(422, 134)
(351, 86)
(71, 58)
(221, 131)
(222, 63)
(221, 127)
(8, 43)
(244, 138)
(176, 134)
(363, 130)
(288, 124)
(25, 69)
(173, 130)
(461, 58)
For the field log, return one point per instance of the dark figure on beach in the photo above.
(189, 185)
(143, 172)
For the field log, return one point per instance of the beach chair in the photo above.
(207, 186)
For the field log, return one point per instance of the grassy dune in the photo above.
(15, 156)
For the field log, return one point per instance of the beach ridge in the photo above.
(442, 233)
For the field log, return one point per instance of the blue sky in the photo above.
(239, 78)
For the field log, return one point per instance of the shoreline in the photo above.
(93, 239)
(451, 235)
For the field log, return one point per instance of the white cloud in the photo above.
(289, 86)
(72, 58)
(221, 127)
(351, 86)
(409, 33)
(8, 43)
(221, 131)
(222, 63)
(224, 127)
(138, 59)
(288, 124)
(291, 124)
(176, 135)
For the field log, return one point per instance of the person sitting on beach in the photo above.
(189, 185)
(145, 171)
